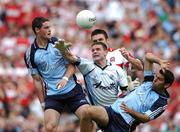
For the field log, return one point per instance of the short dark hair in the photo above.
(168, 76)
(100, 43)
(99, 31)
(38, 22)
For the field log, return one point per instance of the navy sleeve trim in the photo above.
(29, 57)
(32, 53)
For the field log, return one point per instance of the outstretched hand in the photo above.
(124, 53)
(62, 46)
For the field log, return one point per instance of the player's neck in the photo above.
(160, 91)
(42, 43)
(101, 63)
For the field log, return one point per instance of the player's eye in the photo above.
(101, 39)
(94, 41)
(98, 49)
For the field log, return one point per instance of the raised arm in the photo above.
(135, 62)
(62, 46)
(151, 58)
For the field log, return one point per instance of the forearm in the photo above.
(136, 63)
(141, 117)
(69, 56)
(152, 58)
(39, 89)
(70, 71)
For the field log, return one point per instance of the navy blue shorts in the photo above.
(116, 122)
(73, 100)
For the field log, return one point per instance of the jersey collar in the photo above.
(107, 64)
(163, 95)
(37, 47)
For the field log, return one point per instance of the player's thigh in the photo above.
(96, 113)
(76, 101)
(99, 115)
(82, 110)
(51, 116)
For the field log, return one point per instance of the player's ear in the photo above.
(108, 42)
(37, 30)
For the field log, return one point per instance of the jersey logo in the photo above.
(43, 66)
(112, 59)
(98, 85)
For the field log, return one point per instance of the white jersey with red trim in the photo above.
(115, 57)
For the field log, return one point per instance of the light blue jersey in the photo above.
(143, 100)
(103, 84)
(50, 65)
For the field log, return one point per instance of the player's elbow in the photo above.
(145, 119)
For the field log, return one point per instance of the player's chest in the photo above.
(105, 75)
(146, 99)
(48, 59)
(50, 55)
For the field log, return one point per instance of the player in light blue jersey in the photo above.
(52, 76)
(145, 103)
(103, 80)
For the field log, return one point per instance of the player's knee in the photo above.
(50, 127)
(86, 113)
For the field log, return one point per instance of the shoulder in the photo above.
(81, 60)
(29, 56)
(160, 102)
(30, 50)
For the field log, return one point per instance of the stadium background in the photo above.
(138, 25)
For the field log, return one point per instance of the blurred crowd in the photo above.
(139, 25)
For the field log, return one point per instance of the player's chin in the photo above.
(96, 58)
